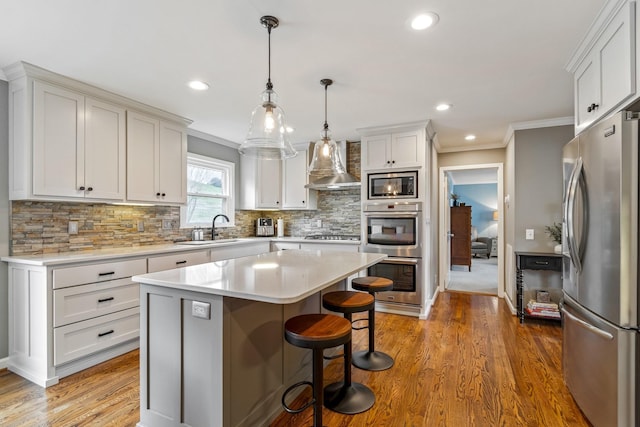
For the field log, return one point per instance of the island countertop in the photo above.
(282, 277)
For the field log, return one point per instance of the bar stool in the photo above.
(317, 332)
(372, 360)
(347, 397)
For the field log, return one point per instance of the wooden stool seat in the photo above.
(347, 397)
(372, 360)
(316, 332)
(372, 284)
(348, 301)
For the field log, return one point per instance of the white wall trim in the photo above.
(4, 362)
(536, 124)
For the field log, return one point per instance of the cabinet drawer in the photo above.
(80, 339)
(71, 276)
(84, 302)
(540, 263)
(168, 262)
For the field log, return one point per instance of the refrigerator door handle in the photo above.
(588, 326)
(569, 214)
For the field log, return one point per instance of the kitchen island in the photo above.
(212, 350)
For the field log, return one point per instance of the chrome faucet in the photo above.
(213, 225)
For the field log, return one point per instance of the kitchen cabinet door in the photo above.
(261, 183)
(58, 141)
(294, 178)
(375, 151)
(105, 150)
(172, 180)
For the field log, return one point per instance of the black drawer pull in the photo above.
(542, 262)
(102, 334)
(181, 262)
(106, 299)
(106, 274)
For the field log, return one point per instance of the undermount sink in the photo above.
(205, 242)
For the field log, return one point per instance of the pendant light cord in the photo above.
(269, 84)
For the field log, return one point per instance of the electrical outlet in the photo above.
(529, 234)
(73, 227)
(201, 309)
(319, 223)
(140, 225)
(166, 224)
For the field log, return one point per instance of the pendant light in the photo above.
(267, 137)
(326, 171)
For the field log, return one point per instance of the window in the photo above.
(210, 191)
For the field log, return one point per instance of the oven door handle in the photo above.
(392, 214)
(397, 260)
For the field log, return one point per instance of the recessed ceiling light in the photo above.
(424, 21)
(443, 107)
(470, 137)
(198, 85)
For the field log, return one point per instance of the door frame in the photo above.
(444, 221)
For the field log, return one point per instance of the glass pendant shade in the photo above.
(326, 159)
(267, 137)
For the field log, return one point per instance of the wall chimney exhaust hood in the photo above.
(339, 181)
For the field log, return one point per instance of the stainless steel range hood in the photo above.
(341, 181)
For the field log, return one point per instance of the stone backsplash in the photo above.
(42, 227)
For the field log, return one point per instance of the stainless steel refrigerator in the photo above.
(600, 280)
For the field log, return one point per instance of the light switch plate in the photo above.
(529, 234)
(201, 309)
(73, 227)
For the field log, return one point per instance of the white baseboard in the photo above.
(510, 305)
(4, 362)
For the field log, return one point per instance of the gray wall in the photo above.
(537, 194)
(4, 216)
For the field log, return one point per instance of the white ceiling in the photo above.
(497, 61)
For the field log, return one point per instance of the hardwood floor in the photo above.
(470, 364)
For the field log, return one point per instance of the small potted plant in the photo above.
(555, 232)
(455, 198)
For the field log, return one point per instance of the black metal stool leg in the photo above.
(318, 367)
(372, 360)
(347, 397)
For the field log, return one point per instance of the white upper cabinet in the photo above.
(156, 160)
(276, 184)
(78, 147)
(404, 149)
(604, 67)
(68, 141)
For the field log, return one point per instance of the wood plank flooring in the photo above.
(470, 364)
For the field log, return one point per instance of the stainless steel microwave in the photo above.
(393, 185)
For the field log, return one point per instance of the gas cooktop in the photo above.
(333, 237)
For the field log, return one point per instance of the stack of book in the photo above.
(543, 309)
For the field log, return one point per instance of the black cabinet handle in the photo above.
(393, 161)
(90, 189)
(181, 262)
(102, 334)
(106, 299)
(592, 107)
(388, 162)
(81, 188)
(542, 262)
(158, 194)
(106, 274)
(164, 194)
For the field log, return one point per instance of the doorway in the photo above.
(488, 223)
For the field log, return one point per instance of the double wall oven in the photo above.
(393, 228)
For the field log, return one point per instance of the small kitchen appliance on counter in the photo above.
(264, 227)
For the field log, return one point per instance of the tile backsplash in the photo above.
(43, 227)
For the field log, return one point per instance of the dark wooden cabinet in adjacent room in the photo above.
(461, 239)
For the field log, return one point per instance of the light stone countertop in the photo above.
(281, 277)
(106, 254)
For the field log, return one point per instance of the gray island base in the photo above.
(212, 350)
